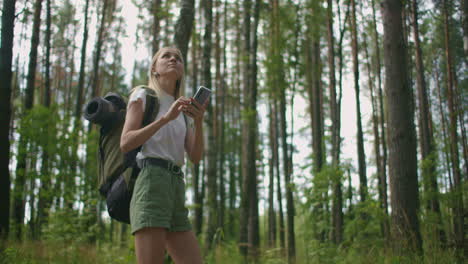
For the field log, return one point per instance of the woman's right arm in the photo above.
(133, 135)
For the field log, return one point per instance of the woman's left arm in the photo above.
(194, 144)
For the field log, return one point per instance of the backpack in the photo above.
(117, 171)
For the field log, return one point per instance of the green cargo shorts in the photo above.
(158, 200)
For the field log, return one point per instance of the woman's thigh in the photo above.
(150, 245)
(183, 247)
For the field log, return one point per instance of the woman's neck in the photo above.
(168, 85)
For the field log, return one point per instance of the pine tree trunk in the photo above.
(464, 8)
(360, 138)
(401, 134)
(20, 180)
(271, 185)
(375, 129)
(6, 56)
(427, 139)
(251, 100)
(198, 198)
(383, 160)
(97, 56)
(155, 27)
(248, 149)
(184, 25)
(217, 114)
(458, 220)
(211, 171)
(281, 227)
(337, 206)
(81, 78)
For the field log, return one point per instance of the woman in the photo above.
(158, 216)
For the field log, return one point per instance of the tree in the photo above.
(382, 160)
(360, 138)
(6, 55)
(155, 28)
(401, 135)
(337, 213)
(427, 140)
(18, 198)
(246, 155)
(45, 196)
(211, 170)
(451, 100)
(183, 27)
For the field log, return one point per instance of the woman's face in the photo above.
(169, 64)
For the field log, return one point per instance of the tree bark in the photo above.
(337, 206)
(184, 25)
(212, 203)
(97, 56)
(458, 220)
(251, 100)
(247, 155)
(427, 139)
(155, 27)
(360, 139)
(6, 56)
(401, 134)
(383, 160)
(271, 195)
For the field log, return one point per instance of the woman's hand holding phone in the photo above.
(195, 110)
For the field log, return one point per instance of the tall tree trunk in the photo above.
(427, 139)
(184, 25)
(287, 177)
(281, 227)
(458, 220)
(271, 196)
(401, 134)
(6, 56)
(155, 27)
(97, 55)
(81, 78)
(248, 148)
(216, 114)
(464, 7)
(375, 129)
(198, 198)
(337, 212)
(360, 138)
(18, 198)
(383, 160)
(211, 175)
(251, 102)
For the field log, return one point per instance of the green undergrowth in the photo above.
(51, 252)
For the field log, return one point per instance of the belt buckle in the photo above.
(173, 168)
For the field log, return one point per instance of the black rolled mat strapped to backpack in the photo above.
(117, 171)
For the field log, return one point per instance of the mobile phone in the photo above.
(202, 94)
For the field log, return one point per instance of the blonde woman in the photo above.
(158, 216)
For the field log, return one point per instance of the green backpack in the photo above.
(117, 171)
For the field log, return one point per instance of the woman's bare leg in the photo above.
(150, 244)
(183, 247)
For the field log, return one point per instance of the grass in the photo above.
(51, 252)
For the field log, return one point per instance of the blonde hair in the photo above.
(153, 79)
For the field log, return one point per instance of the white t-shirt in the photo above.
(168, 142)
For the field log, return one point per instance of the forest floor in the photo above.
(39, 252)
